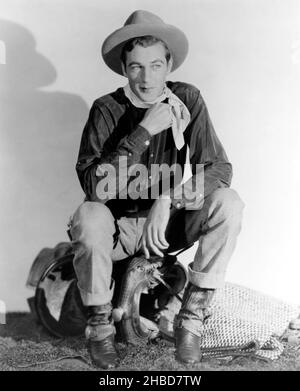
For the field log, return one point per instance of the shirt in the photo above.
(112, 132)
(180, 115)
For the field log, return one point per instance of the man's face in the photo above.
(146, 70)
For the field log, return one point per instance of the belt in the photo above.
(139, 213)
(130, 208)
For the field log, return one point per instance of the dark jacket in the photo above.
(113, 130)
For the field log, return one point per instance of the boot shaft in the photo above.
(196, 299)
(194, 309)
(100, 314)
(100, 323)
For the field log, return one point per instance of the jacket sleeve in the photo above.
(209, 163)
(97, 168)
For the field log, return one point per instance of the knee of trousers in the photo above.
(90, 220)
(230, 207)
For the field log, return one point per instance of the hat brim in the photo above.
(174, 38)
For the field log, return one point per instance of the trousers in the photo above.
(99, 239)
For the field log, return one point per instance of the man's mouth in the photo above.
(146, 89)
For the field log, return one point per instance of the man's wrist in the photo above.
(167, 199)
(143, 125)
(173, 202)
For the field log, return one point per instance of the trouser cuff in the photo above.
(209, 280)
(101, 298)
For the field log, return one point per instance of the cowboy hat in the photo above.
(142, 23)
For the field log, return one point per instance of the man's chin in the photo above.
(147, 97)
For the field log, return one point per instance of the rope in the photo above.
(68, 357)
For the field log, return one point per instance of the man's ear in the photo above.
(123, 70)
(170, 65)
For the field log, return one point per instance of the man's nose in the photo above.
(146, 75)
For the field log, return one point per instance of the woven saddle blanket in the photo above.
(241, 320)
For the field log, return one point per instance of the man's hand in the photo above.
(153, 239)
(157, 118)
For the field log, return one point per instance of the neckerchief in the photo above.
(180, 114)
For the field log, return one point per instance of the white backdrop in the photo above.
(245, 58)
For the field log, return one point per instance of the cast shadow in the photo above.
(40, 130)
(39, 140)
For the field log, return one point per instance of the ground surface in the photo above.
(25, 345)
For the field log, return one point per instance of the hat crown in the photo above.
(143, 17)
(139, 24)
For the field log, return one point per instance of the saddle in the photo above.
(142, 291)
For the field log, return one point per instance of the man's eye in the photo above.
(135, 67)
(157, 66)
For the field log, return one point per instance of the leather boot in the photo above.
(189, 323)
(100, 333)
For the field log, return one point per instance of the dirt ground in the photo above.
(25, 345)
